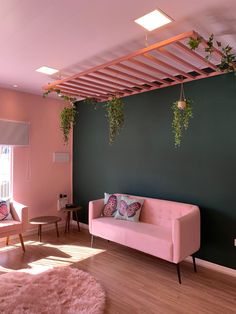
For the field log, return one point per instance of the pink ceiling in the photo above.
(72, 35)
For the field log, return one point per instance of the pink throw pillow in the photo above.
(4, 210)
(110, 205)
(129, 209)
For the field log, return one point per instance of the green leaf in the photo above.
(193, 43)
(115, 116)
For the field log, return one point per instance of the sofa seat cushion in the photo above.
(151, 239)
(10, 225)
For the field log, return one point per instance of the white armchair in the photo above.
(16, 226)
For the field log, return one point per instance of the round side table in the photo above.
(69, 213)
(45, 220)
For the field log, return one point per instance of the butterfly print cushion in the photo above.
(4, 210)
(129, 209)
(110, 205)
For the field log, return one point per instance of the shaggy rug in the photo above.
(62, 290)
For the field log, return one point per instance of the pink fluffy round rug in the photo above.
(62, 290)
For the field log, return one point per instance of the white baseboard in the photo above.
(82, 225)
(213, 266)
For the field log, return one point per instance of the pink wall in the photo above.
(37, 180)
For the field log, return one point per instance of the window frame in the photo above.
(10, 194)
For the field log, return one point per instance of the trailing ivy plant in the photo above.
(228, 59)
(90, 101)
(67, 120)
(68, 113)
(115, 116)
(181, 117)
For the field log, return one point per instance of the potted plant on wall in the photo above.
(115, 116)
(182, 112)
(67, 115)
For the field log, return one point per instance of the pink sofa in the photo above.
(168, 230)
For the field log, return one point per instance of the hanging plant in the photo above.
(182, 112)
(115, 116)
(194, 42)
(67, 120)
(67, 115)
(228, 59)
(90, 101)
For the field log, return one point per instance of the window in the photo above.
(5, 171)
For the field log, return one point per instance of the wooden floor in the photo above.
(134, 282)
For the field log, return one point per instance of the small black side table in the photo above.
(69, 213)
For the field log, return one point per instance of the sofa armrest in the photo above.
(20, 213)
(186, 235)
(95, 210)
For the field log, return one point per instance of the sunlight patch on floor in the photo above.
(49, 255)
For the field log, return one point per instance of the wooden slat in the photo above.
(181, 61)
(166, 65)
(94, 88)
(112, 77)
(94, 77)
(80, 94)
(154, 78)
(131, 76)
(78, 88)
(193, 54)
(150, 68)
(105, 86)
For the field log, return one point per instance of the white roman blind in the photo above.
(14, 133)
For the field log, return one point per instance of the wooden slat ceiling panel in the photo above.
(166, 63)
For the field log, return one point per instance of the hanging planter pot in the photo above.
(181, 104)
(182, 112)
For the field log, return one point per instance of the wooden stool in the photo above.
(45, 220)
(69, 212)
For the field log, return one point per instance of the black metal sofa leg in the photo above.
(178, 272)
(194, 263)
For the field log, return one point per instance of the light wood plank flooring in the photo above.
(134, 282)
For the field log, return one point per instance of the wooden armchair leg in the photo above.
(22, 242)
(7, 240)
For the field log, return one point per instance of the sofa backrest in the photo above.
(160, 212)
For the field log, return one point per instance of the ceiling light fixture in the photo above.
(47, 70)
(153, 20)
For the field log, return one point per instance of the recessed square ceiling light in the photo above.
(47, 70)
(153, 20)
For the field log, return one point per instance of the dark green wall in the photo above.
(143, 161)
